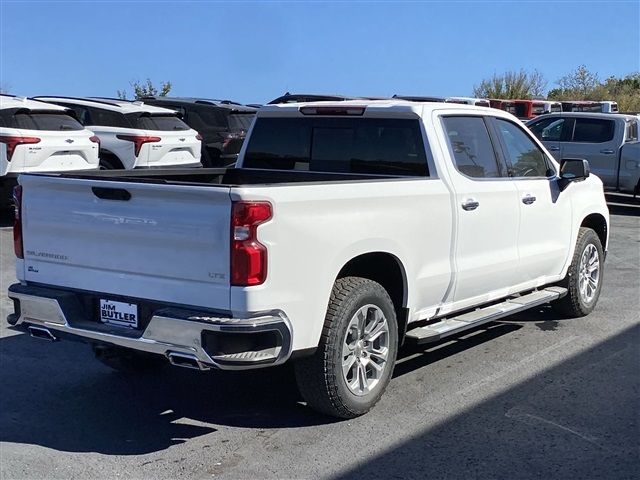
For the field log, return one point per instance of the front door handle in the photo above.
(528, 199)
(553, 149)
(607, 151)
(470, 204)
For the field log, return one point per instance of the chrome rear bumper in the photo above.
(172, 332)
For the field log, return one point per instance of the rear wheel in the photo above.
(354, 361)
(110, 162)
(128, 361)
(584, 277)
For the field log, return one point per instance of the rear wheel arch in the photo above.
(387, 270)
(110, 161)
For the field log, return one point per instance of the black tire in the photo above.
(128, 361)
(320, 377)
(574, 304)
(110, 162)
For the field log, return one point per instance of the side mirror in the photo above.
(573, 170)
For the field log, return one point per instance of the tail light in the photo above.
(199, 137)
(95, 139)
(338, 110)
(17, 222)
(228, 137)
(248, 255)
(138, 141)
(12, 141)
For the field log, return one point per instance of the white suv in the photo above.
(40, 137)
(135, 135)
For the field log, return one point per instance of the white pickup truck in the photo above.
(346, 230)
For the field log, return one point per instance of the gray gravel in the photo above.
(534, 396)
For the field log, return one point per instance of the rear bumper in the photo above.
(209, 341)
(169, 166)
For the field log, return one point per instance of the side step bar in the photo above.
(453, 325)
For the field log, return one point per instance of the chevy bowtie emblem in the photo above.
(182, 139)
(68, 140)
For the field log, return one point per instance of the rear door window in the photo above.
(106, 118)
(329, 144)
(53, 121)
(471, 146)
(166, 123)
(593, 130)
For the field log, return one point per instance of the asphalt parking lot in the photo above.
(533, 396)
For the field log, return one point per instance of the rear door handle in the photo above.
(607, 151)
(553, 149)
(528, 199)
(470, 204)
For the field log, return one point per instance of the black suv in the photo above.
(223, 125)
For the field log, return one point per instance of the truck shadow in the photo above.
(58, 396)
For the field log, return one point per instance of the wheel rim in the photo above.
(365, 350)
(589, 273)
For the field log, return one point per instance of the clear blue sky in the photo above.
(255, 51)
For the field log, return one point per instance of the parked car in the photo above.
(608, 141)
(527, 109)
(506, 105)
(419, 98)
(478, 102)
(347, 229)
(590, 106)
(40, 137)
(223, 124)
(133, 134)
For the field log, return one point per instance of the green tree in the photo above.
(512, 84)
(581, 84)
(146, 89)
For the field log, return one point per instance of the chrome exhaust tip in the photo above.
(186, 360)
(41, 332)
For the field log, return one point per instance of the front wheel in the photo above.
(354, 361)
(584, 277)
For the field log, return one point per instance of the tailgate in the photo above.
(166, 242)
(175, 148)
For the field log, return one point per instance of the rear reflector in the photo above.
(17, 222)
(337, 111)
(12, 141)
(138, 141)
(248, 255)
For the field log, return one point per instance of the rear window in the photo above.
(240, 121)
(348, 145)
(164, 123)
(54, 121)
(592, 130)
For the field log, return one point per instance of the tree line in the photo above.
(580, 84)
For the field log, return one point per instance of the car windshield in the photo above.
(165, 123)
(54, 121)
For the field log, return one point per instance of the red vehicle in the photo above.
(527, 109)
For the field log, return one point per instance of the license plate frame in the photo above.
(120, 314)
